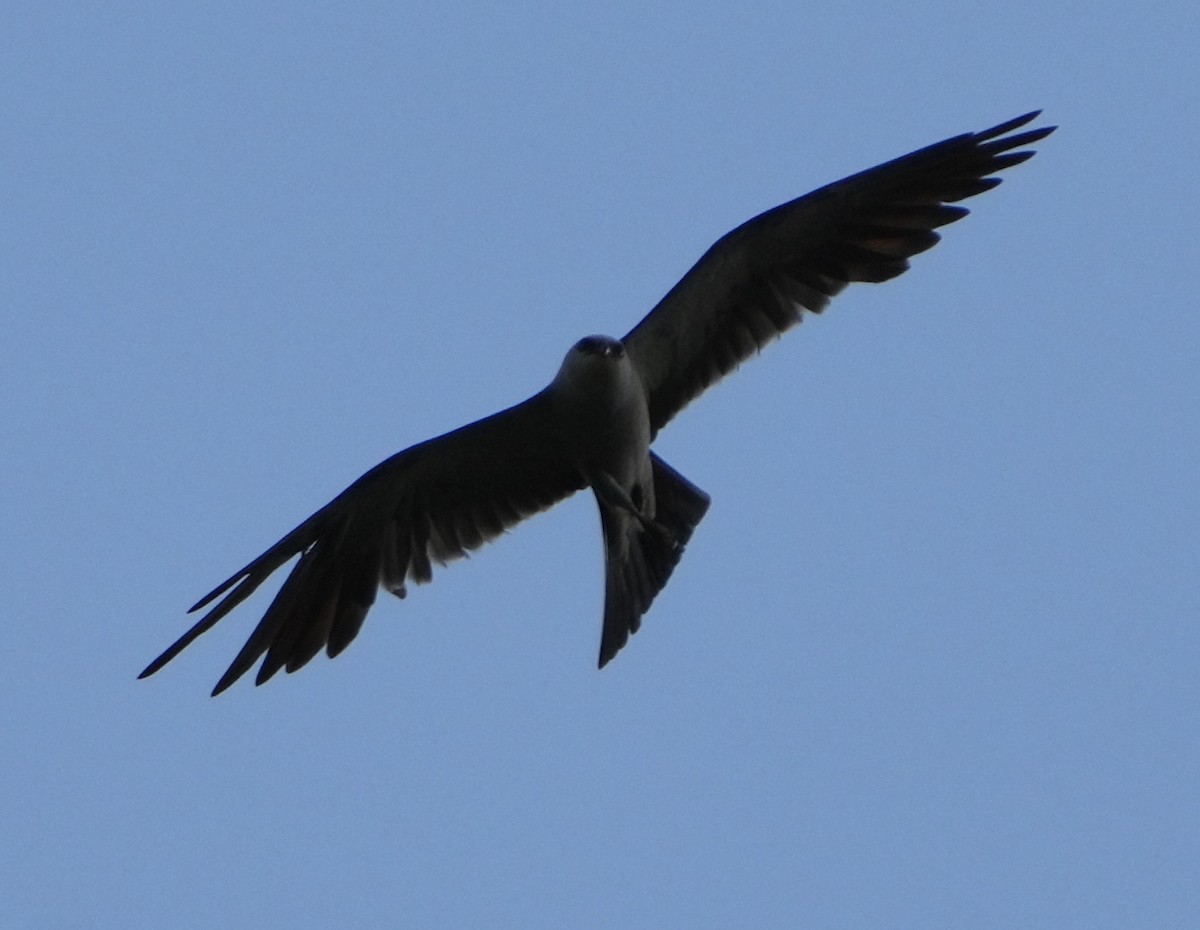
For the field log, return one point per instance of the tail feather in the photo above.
(638, 568)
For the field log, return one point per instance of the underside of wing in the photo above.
(757, 281)
(429, 504)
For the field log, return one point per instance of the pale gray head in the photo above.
(592, 358)
(599, 366)
(604, 346)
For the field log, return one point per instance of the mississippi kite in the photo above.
(593, 425)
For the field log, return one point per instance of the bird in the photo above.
(594, 424)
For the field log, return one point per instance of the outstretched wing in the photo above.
(433, 502)
(758, 280)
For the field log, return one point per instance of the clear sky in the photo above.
(932, 658)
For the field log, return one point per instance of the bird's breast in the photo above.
(602, 413)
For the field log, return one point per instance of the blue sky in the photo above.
(932, 658)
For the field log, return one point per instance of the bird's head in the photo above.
(594, 363)
(602, 346)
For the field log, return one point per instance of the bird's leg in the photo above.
(609, 491)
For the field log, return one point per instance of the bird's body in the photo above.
(599, 400)
(594, 424)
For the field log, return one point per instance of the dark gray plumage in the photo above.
(592, 426)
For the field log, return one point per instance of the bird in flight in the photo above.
(593, 425)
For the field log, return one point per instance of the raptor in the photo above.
(594, 424)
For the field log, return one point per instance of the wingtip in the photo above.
(207, 599)
(162, 660)
(1003, 129)
(237, 668)
(219, 590)
(1034, 114)
(1018, 121)
(223, 684)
